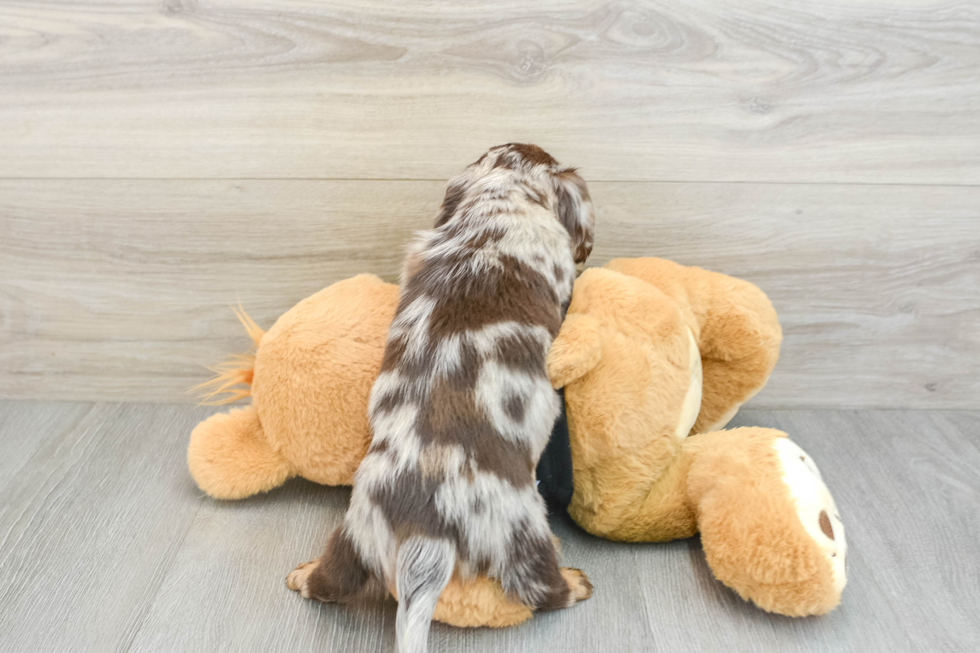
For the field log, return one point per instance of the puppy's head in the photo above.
(542, 173)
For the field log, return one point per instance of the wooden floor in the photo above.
(106, 545)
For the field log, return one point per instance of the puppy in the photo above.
(463, 407)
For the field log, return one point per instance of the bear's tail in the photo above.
(237, 370)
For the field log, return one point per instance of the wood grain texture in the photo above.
(105, 545)
(873, 91)
(90, 523)
(26, 429)
(120, 290)
(234, 560)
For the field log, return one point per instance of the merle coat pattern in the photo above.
(463, 407)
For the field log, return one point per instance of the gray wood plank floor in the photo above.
(106, 545)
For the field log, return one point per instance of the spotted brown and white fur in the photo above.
(463, 407)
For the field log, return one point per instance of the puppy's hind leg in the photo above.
(537, 579)
(338, 576)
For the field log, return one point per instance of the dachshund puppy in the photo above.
(463, 407)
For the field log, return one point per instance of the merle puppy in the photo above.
(463, 407)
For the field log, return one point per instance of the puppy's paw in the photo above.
(578, 583)
(296, 580)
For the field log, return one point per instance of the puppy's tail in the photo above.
(423, 570)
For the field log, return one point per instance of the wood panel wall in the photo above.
(160, 161)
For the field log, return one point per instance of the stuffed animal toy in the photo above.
(653, 358)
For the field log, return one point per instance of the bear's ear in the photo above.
(575, 351)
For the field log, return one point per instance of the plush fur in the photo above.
(774, 550)
(631, 354)
(665, 333)
(646, 339)
(326, 350)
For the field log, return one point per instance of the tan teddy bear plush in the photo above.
(653, 357)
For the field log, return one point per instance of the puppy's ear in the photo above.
(573, 206)
(454, 195)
